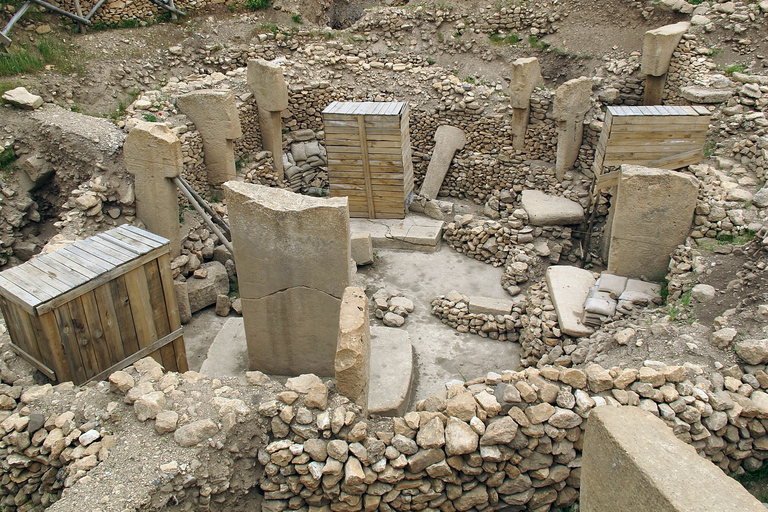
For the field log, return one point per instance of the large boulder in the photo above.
(203, 292)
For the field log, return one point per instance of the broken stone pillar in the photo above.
(292, 254)
(658, 46)
(448, 140)
(651, 214)
(633, 461)
(353, 351)
(152, 153)
(216, 118)
(569, 108)
(525, 76)
(267, 84)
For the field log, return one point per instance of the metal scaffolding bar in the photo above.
(16, 17)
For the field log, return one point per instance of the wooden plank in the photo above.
(18, 295)
(656, 136)
(153, 347)
(122, 304)
(131, 245)
(74, 266)
(98, 250)
(169, 292)
(83, 336)
(20, 333)
(607, 180)
(103, 278)
(57, 272)
(35, 281)
(701, 110)
(129, 236)
(69, 344)
(127, 253)
(138, 293)
(97, 340)
(366, 168)
(86, 258)
(678, 161)
(48, 372)
(159, 313)
(146, 234)
(109, 322)
(55, 344)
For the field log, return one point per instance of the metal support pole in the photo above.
(205, 217)
(214, 216)
(94, 9)
(79, 12)
(62, 12)
(16, 17)
(166, 6)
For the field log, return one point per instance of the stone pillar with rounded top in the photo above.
(524, 77)
(658, 46)
(572, 101)
(265, 79)
(152, 154)
(216, 118)
(353, 352)
(293, 264)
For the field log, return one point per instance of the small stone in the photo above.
(703, 293)
(393, 320)
(195, 432)
(166, 421)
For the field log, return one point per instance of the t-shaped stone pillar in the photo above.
(448, 140)
(658, 46)
(267, 84)
(525, 76)
(152, 153)
(215, 116)
(292, 254)
(570, 105)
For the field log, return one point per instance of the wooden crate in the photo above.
(369, 157)
(95, 307)
(665, 137)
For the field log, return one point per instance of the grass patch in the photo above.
(119, 113)
(256, 5)
(6, 86)
(734, 68)
(709, 148)
(151, 118)
(7, 157)
(747, 237)
(754, 476)
(296, 18)
(48, 51)
(537, 43)
(497, 38)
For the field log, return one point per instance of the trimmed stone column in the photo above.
(353, 351)
(293, 264)
(524, 77)
(651, 214)
(265, 79)
(216, 118)
(448, 140)
(152, 154)
(569, 108)
(658, 46)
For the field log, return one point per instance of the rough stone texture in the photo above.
(658, 46)
(524, 77)
(21, 97)
(752, 351)
(152, 153)
(362, 248)
(195, 432)
(700, 94)
(572, 100)
(216, 118)
(182, 299)
(652, 213)
(703, 292)
(202, 293)
(569, 288)
(633, 461)
(292, 254)
(548, 210)
(448, 140)
(265, 79)
(490, 306)
(392, 362)
(353, 351)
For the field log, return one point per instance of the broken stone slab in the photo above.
(152, 154)
(391, 371)
(448, 140)
(228, 354)
(21, 97)
(203, 292)
(652, 212)
(216, 118)
(489, 306)
(611, 284)
(353, 351)
(569, 289)
(293, 261)
(571, 103)
(414, 232)
(548, 210)
(432, 208)
(700, 94)
(362, 248)
(525, 76)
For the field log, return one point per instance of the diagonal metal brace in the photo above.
(168, 7)
(16, 17)
(57, 10)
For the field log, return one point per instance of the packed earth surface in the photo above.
(501, 430)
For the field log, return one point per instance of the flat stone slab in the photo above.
(699, 94)
(413, 233)
(391, 371)
(547, 210)
(569, 289)
(489, 306)
(228, 354)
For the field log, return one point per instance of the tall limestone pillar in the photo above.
(265, 79)
(658, 46)
(572, 100)
(525, 76)
(292, 254)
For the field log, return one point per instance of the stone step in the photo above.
(391, 371)
(548, 210)
(569, 288)
(413, 233)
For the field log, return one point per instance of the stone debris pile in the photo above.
(391, 307)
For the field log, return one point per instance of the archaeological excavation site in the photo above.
(383, 255)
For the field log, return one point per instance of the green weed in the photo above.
(255, 5)
(297, 18)
(7, 157)
(269, 26)
(734, 68)
(497, 38)
(536, 43)
(430, 60)
(29, 58)
(152, 118)
(709, 148)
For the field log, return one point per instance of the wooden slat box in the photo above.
(95, 307)
(369, 157)
(665, 137)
